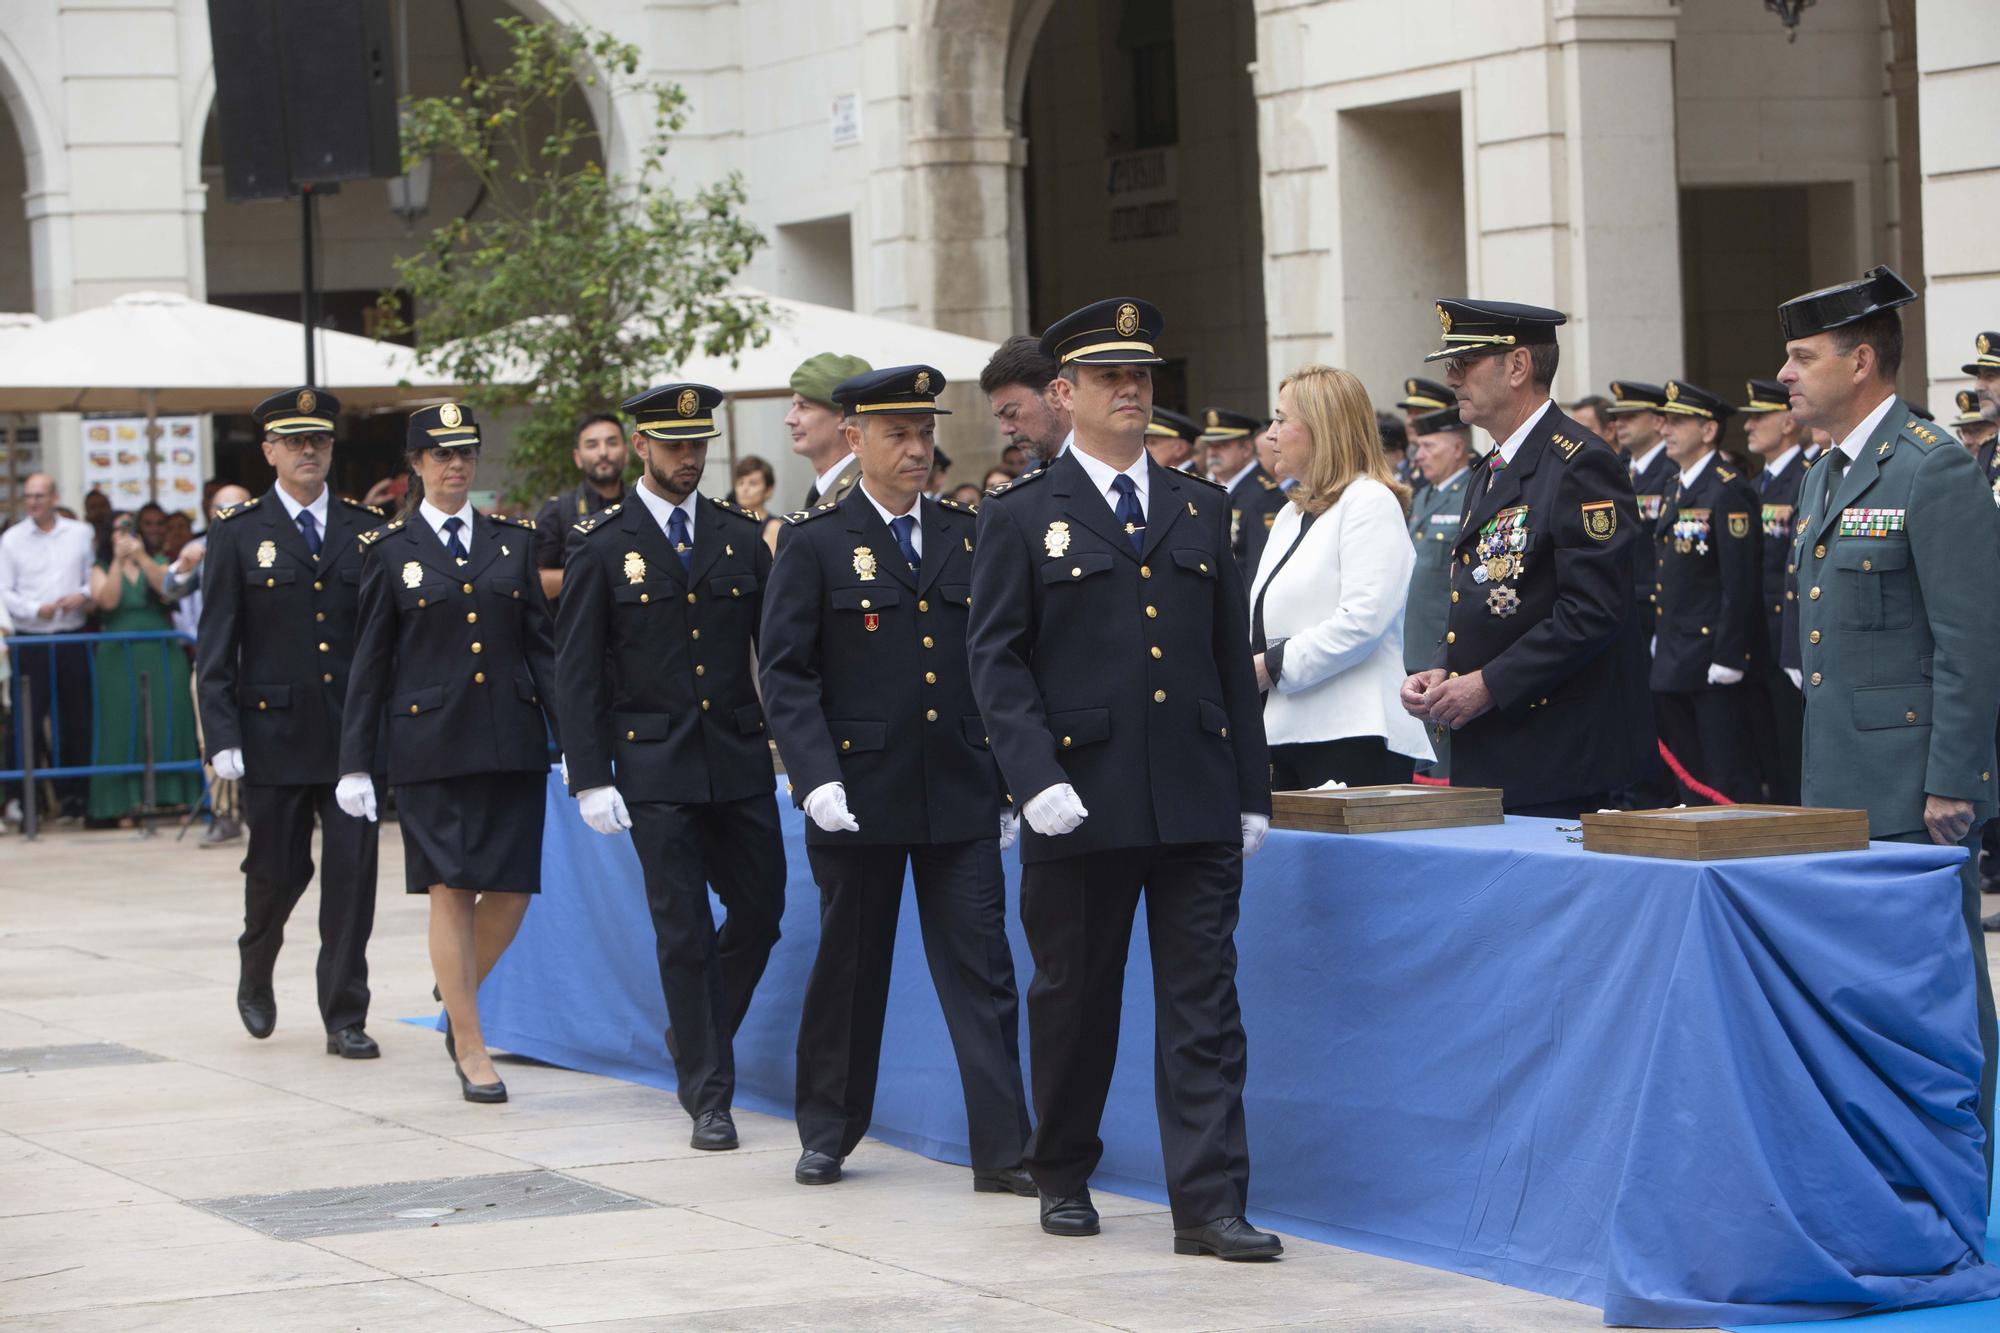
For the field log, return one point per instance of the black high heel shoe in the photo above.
(450, 1046)
(496, 1091)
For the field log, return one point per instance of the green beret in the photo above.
(816, 376)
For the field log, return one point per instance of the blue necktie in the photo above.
(1764, 481)
(1130, 516)
(309, 529)
(451, 541)
(902, 528)
(677, 533)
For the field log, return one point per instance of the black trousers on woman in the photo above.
(1358, 761)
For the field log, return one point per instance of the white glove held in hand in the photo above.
(355, 794)
(603, 809)
(562, 767)
(826, 806)
(228, 765)
(1010, 829)
(1255, 829)
(1796, 677)
(1722, 675)
(1055, 812)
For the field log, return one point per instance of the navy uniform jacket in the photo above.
(1126, 675)
(455, 665)
(1435, 513)
(653, 661)
(865, 674)
(276, 637)
(1649, 492)
(1710, 561)
(1254, 503)
(1988, 458)
(1559, 722)
(1900, 647)
(1778, 495)
(555, 525)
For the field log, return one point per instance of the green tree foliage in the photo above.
(566, 288)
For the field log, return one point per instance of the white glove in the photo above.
(1722, 675)
(228, 765)
(1255, 829)
(1055, 812)
(1796, 677)
(356, 795)
(603, 809)
(1010, 829)
(562, 767)
(826, 806)
(1653, 648)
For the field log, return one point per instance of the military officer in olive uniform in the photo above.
(280, 592)
(1708, 634)
(1254, 497)
(1775, 436)
(864, 672)
(1110, 658)
(1444, 456)
(1527, 674)
(662, 599)
(1898, 552)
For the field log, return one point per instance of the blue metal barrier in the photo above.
(21, 647)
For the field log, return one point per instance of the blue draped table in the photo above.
(1688, 1094)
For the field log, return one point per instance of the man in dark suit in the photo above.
(599, 455)
(1526, 676)
(865, 676)
(663, 733)
(1254, 497)
(1709, 634)
(1775, 436)
(1110, 659)
(281, 582)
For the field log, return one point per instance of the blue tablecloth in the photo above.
(1688, 1094)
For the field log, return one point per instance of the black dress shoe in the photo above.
(816, 1168)
(351, 1043)
(496, 1091)
(1069, 1214)
(1985, 923)
(714, 1131)
(259, 1014)
(1007, 1180)
(1228, 1238)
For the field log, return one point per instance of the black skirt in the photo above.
(482, 832)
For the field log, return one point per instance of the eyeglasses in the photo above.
(302, 443)
(444, 453)
(1464, 361)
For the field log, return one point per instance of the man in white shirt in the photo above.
(45, 583)
(814, 422)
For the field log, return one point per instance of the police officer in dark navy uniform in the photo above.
(664, 735)
(281, 589)
(1172, 438)
(1985, 371)
(1775, 437)
(1638, 421)
(1254, 497)
(599, 455)
(1709, 631)
(864, 672)
(1528, 674)
(1422, 397)
(1110, 658)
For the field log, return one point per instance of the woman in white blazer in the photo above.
(1327, 599)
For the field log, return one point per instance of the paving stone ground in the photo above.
(107, 938)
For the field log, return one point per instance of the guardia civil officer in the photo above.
(599, 455)
(281, 587)
(1254, 497)
(1527, 675)
(665, 737)
(1985, 371)
(1898, 552)
(864, 673)
(452, 691)
(1444, 456)
(1971, 425)
(1776, 437)
(1109, 649)
(1708, 630)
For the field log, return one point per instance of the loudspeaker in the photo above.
(304, 93)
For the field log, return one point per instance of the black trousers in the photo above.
(962, 906)
(1078, 916)
(277, 866)
(1569, 807)
(708, 976)
(1777, 719)
(59, 674)
(1708, 731)
(1358, 761)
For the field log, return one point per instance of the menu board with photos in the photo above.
(115, 462)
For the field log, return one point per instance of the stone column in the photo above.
(1958, 85)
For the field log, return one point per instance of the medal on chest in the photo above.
(1777, 522)
(267, 554)
(635, 567)
(864, 564)
(1871, 522)
(1691, 531)
(1501, 549)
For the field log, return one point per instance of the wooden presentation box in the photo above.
(1385, 809)
(1722, 832)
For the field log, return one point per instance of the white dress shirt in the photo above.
(662, 509)
(1512, 444)
(1102, 474)
(1689, 478)
(888, 519)
(1781, 462)
(318, 508)
(1230, 484)
(824, 482)
(1645, 460)
(436, 517)
(1851, 446)
(38, 567)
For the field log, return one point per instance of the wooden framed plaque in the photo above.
(1723, 832)
(1385, 809)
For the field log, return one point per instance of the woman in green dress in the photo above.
(125, 585)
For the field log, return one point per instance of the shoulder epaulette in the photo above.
(364, 508)
(1917, 427)
(1268, 482)
(731, 507)
(1196, 476)
(1564, 445)
(377, 534)
(508, 520)
(817, 511)
(231, 511)
(589, 525)
(1724, 473)
(1019, 481)
(955, 505)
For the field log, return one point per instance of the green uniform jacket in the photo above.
(1899, 640)
(1434, 517)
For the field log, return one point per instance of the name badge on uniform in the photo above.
(635, 567)
(864, 564)
(1872, 522)
(413, 575)
(267, 554)
(1056, 540)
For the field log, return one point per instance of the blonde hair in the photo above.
(1340, 422)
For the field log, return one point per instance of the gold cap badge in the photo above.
(687, 402)
(1214, 417)
(1444, 321)
(1983, 343)
(449, 415)
(1128, 320)
(1673, 393)
(923, 381)
(308, 400)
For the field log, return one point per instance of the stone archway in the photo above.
(35, 237)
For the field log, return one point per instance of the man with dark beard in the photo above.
(600, 456)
